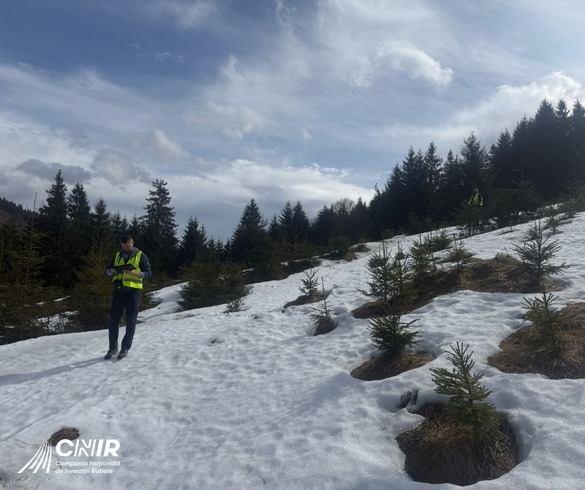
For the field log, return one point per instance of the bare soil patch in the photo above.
(306, 299)
(384, 366)
(436, 452)
(69, 433)
(422, 292)
(503, 273)
(325, 325)
(526, 351)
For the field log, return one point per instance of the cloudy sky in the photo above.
(277, 100)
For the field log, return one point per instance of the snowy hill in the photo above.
(208, 400)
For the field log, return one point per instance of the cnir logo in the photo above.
(41, 460)
(91, 448)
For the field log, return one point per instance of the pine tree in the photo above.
(392, 336)
(212, 283)
(502, 161)
(250, 244)
(379, 267)
(433, 164)
(58, 244)
(79, 215)
(466, 408)
(193, 243)
(21, 288)
(274, 229)
(300, 224)
(91, 297)
(310, 283)
(322, 227)
(415, 179)
(547, 322)
(101, 222)
(286, 225)
(577, 141)
(159, 228)
(536, 254)
(359, 228)
(322, 319)
(135, 229)
(452, 188)
(475, 163)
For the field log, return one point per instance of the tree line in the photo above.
(67, 240)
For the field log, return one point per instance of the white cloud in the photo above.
(187, 14)
(502, 109)
(401, 57)
(83, 97)
(118, 168)
(158, 147)
(217, 196)
(404, 57)
(234, 120)
(370, 39)
(508, 104)
(245, 100)
(312, 184)
(304, 79)
(72, 174)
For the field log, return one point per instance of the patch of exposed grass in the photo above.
(439, 452)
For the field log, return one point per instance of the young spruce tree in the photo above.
(466, 409)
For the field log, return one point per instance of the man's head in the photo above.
(126, 243)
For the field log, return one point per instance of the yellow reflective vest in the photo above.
(475, 200)
(127, 280)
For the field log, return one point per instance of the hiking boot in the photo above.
(111, 353)
(123, 353)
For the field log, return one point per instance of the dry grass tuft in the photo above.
(503, 273)
(422, 292)
(525, 351)
(306, 299)
(384, 366)
(324, 325)
(438, 452)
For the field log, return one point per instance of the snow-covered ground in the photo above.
(209, 400)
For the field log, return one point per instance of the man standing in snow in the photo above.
(475, 204)
(476, 200)
(128, 269)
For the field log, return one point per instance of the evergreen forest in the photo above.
(59, 250)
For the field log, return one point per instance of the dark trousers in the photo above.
(129, 300)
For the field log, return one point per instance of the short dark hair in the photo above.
(125, 238)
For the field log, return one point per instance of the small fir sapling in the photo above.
(458, 254)
(310, 283)
(546, 320)
(435, 242)
(554, 218)
(237, 304)
(536, 253)
(380, 270)
(466, 409)
(401, 273)
(322, 320)
(391, 336)
(423, 261)
(389, 278)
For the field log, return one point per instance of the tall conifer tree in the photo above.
(58, 244)
(159, 227)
